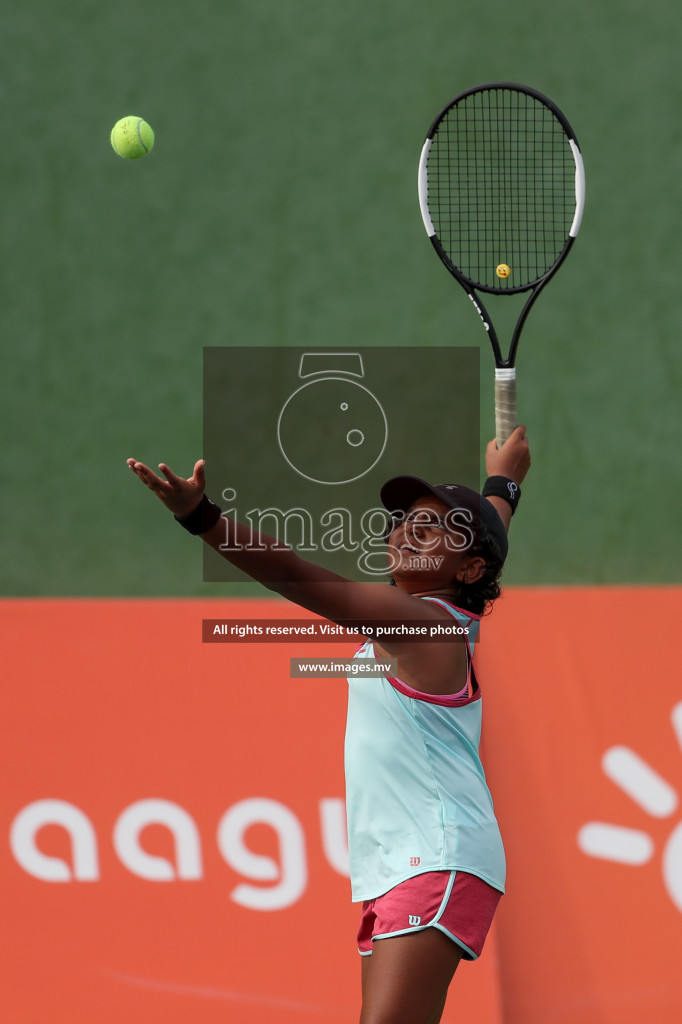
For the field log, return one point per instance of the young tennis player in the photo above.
(426, 856)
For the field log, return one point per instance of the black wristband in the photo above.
(502, 487)
(202, 518)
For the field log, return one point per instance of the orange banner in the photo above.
(583, 737)
(175, 823)
(175, 838)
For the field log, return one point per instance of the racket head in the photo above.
(501, 185)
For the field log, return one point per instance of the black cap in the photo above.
(400, 492)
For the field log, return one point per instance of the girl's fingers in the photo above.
(139, 468)
(146, 475)
(169, 474)
(199, 474)
(174, 488)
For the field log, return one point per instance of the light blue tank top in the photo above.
(416, 794)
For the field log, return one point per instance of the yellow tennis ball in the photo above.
(132, 137)
(503, 270)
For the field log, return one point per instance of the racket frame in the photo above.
(505, 372)
(474, 288)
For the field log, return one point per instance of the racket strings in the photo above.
(501, 187)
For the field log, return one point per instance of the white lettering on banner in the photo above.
(185, 837)
(35, 816)
(335, 834)
(288, 872)
(672, 867)
(655, 796)
(291, 874)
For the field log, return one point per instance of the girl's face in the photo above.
(431, 547)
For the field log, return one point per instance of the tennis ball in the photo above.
(503, 270)
(132, 137)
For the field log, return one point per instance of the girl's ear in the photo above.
(472, 571)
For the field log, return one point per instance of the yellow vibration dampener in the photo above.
(503, 270)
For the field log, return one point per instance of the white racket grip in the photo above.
(505, 403)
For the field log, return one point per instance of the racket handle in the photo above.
(505, 403)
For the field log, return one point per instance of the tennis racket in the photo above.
(501, 191)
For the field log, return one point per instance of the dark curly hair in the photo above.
(478, 597)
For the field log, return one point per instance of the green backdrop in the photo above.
(279, 208)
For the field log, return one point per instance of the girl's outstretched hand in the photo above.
(179, 495)
(512, 459)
